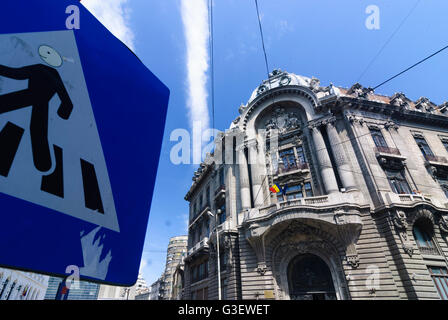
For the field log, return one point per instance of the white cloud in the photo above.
(196, 30)
(114, 15)
(143, 264)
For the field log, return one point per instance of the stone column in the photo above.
(343, 167)
(254, 159)
(326, 169)
(244, 178)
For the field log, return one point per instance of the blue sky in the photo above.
(326, 39)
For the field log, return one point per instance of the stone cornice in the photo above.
(205, 172)
(393, 111)
(305, 209)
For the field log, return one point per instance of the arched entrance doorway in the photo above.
(309, 278)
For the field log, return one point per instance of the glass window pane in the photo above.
(440, 288)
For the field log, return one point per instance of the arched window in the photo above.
(310, 278)
(423, 232)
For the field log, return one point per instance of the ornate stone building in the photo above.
(363, 207)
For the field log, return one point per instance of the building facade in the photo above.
(57, 290)
(19, 285)
(362, 207)
(154, 290)
(177, 249)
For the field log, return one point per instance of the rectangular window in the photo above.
(294, 192)
(424, 147)
(300, 154)
(308, 189)
(378, 138)
(445, 143)
(398, 182)
(288, 158)
(440, 277)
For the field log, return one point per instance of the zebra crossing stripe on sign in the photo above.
(50, 149)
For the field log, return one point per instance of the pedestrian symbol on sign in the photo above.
(46, 119)
(43, 83)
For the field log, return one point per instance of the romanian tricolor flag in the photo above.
(275, 188)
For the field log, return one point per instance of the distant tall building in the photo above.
(18, 285)
(58, 291)
(140, 285)
(177, 249)
(107, 292)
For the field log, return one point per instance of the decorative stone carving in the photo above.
(241, 109)
(314, 84)
(433, 171)
(443, 223)
(400, 222)
(285, 80)
(283, 121)
(275, 73)
(262, 268)
(423, 104)
(391, 125)
(256, 240)
(354, 119)
(348, 234)
(443, 107)
(353, 260)
(399, 100)
(261, 89)
(359, 91)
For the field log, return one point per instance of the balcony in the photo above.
(310, 203)
(304, 201)
(388, 151)
(407, 200)
(429, 251)
(201, 246)
(291, 168)
(389, 157)
(436, 160)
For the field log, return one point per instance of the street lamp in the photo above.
(217, 249)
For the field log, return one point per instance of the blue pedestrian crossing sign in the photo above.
(81, 125)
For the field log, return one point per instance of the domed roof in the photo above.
(279, 78)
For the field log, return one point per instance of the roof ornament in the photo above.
(359, 91)
(399, 100)
(314, 84)
(443, 107)
(424, 104)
